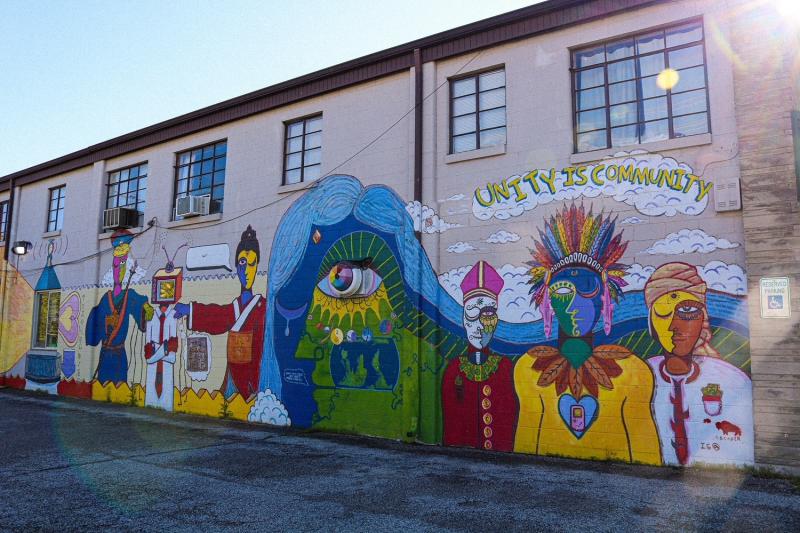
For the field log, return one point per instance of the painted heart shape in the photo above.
(68, 318)
(578, 415)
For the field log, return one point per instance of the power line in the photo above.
(334, 169)
(154, 221)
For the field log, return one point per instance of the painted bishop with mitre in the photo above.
(478, 401)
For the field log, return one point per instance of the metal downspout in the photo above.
(414, 432)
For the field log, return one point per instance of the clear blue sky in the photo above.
(74, 73)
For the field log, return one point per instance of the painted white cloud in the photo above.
(135, 277)
(455, 197)
(514, 304)
(636, 276)
(647, 199)
(633, 220)
(723, 277)
(268, 409)
(451, 281)
(502, 237)
(431, 222)
(460, 247)
(718, 275)
(688, 241)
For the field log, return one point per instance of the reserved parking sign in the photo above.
(775, 298)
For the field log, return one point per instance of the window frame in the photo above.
(3, 220)
(476, 74)
(37, 311)
(60, 206)
(139, 189)
(639, 99)
(284, 155)
(176, 179)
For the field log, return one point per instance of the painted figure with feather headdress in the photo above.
(577, 398)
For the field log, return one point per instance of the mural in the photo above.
(16, 332)
(594, 343)
(108, 321)
(581, 398)
(480, 408)
(352, 315)
(654, 185)
(703, 404)
(161, 341)
(242, 319)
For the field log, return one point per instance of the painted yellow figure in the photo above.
(615, 423)
(578, 399)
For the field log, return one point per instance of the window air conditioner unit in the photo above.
(120, 218)
(192, 206)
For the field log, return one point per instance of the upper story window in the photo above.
(3, 220)
(647, 87)
(303, 152)
(55, 209)
(201, 171)
(127, 187)
(478, 111)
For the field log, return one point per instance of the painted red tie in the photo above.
(160, 364)
(678, 423)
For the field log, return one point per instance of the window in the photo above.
(478, 111)
(3, 220)
(644, 88)
(55, 211)
(46, 327)
(303, 152)
(127, 187)
(201, 171)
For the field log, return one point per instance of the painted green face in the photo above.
(576, 299)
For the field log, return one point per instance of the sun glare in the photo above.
(668, 78)
(788, 9)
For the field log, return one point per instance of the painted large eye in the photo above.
(346, 280)
(689, 310)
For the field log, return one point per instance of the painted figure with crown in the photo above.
(478, 401)
(580, 399)
(243, 319)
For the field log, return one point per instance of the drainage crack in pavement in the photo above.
(134, 457)
(155, 417)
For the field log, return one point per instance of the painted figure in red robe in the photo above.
(478, 401)
(243, 320)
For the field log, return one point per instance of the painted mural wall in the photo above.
(586, 349)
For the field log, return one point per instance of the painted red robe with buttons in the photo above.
(480, 412)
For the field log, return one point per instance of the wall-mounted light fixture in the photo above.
(21, 247)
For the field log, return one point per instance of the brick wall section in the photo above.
(764, 93)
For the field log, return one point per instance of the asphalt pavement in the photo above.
(68, 465)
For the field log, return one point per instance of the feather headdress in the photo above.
(574, 238)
